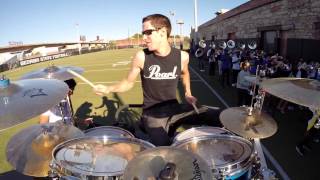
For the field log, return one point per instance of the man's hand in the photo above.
(101, 89)
(190, 99)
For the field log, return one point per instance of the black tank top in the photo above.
(160, 76)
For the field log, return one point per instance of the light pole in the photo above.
(174, 37)
(78, 37)
(195, 21)
(180, 22)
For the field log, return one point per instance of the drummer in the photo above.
(160, 67)
(63, 109)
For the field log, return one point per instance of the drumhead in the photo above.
(220, 151)
(97, 155)
(108, 131)
(199, 131)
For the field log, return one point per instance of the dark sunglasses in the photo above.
(148, 31)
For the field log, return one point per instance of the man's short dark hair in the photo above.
(159, 21)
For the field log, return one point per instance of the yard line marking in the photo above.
(274, 162)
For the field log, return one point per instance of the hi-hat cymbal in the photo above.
(300, 91)
(30, 151)
(54, 72)
(237, 120)
(161, 161)
(24, 99)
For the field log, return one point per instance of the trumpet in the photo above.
(200, 51)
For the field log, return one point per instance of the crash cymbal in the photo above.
(258, 125)
(253, 79)
(300, 91)
(167, 162)
(30, 151)
(54, 72)
(24, 99)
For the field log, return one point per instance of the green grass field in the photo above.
(103, 67)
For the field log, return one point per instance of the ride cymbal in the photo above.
(167, 163)
(24, 99)
(300, 91)
(30, 151)
(258, 125)
(54, 72)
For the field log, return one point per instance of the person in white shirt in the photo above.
(243, 86)
(235, 67)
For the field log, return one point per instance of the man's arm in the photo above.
(128, 82)
(185, 75)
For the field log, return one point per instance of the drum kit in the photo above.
(62, 151)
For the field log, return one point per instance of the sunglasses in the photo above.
(148, 32)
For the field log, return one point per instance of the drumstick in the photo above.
(195, 108)
(81, 77)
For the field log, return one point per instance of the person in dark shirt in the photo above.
(160, 67)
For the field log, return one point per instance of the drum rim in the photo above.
(111, 127)
(220, 136)
(196, 128)
(60, 146)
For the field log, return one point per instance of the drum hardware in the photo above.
(168, 172)
(25, 99)
(53, 72)
(108, 131)
(149, 163)
(228, 157)
(29, 151)
(96, 157)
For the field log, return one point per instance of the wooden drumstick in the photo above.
(81, 77)
(195, 108)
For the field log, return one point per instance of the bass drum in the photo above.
(96, 157)
(108, 131)
(229, 157)
(199, 131)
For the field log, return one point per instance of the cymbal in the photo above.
(237, 120)
(24, 99)
(30, 151)
(180, 163)
(300, 91)
(53, 72)
(253, 79)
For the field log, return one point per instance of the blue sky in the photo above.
(37, 21)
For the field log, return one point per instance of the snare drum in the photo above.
(108, 131)
(96, 157)
(229, 157)
(199, 131)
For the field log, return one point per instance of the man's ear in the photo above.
(163, 31)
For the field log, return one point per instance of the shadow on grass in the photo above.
(114, 113)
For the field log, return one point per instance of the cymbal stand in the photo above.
(263, 169)
(65, 108)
